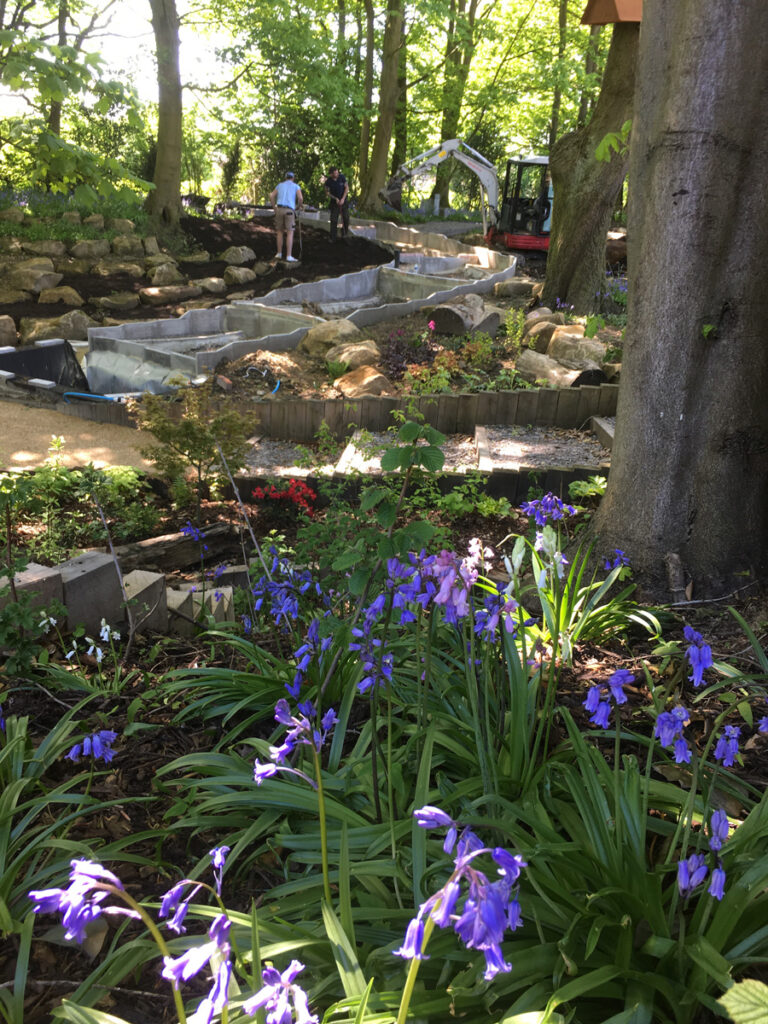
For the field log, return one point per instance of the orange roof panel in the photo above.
(608, 12)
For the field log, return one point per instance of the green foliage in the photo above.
(595, 322)
(614, 142)
(514, 325)
(193, 432)
(336, 369)
(746, 1002)
(593, 487)
(326, 449)
(469, 499)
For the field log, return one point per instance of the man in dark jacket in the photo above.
(338, 190)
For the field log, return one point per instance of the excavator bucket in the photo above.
(393, 194)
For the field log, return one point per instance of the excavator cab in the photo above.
(526, 206)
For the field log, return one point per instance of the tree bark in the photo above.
(164, 202)
(365, 124)
(400, 146)
(557, 94)
(587, 100)
(690, 461)
(585, 189)
(376, 176)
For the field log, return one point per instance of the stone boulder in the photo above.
(73, 326)
(238, 275)
(69, 265)
(539, 335)
(117, 301)
(12, 215)
(169, 294)
(355, 354)
(32, 279)
(72, 217)
(95, 220)
(65, 294)
(45, 247)
(535, 367)
(7, 331)
(541, 315)
(319, 339)
(151, 248)
(90, 248)
(35, 263)
(122, 225)
(361, 382)
(262, 269)
(115, 265)
(11, 246)
(577, 353)
(127, 245)
(197, 257)
(166, 273)
(8, 296)
(159, 259)
(212, 285)
(236, 255)
(514, 288)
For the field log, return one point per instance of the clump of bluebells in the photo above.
(282, 591)
(692, 871)
(550, 508)
(480, 911)
(304, 729)
(602, 696)
(698, 654)
(97, 745)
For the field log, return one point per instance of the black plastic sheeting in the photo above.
(49, 362)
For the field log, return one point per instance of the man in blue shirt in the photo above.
(285, 198)
(338, 190)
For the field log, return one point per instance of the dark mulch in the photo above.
(319, 258)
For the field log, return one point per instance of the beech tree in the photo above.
(587, 189)
(687, 497)
(164, 201)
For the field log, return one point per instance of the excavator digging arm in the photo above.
(459, 150)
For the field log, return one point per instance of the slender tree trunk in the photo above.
(587, 100)
(459, 49)
(400, 147)
(164, 202)
(557, 95)
(54, 112)
(365, 124)
(585, 189)
(375, 179)
(689, 474)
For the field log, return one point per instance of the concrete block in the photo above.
(181, 612)
(92, 591)
(6, 376)
(41, 382)
(43, 584)
(215, 602)
(147, 599)
(234, 576)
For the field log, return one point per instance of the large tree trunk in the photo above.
(365, 125)
(586, 190)
(376, 178)
(400, 141)
(689, 472)
(164, 202)
(557, 93)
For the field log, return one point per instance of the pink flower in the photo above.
(431, 325)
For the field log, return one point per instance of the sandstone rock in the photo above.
(69, 265)
(71, 217)
(10, 295)
(515, 287)
(577, 353)
(7, 331)
(90, 248)
(45, 247)
(542, 315)
(127, 245)
(197, 257)
(244, 295)
(212, 285)
(537, 314)
(117, 301)
(537, 289)
(95, 220)
(159, 259)
(10, 245)
(319, 339)
(166, 273)
(236, 255)
(238, 275)
(168, 294)
(539, 335)
(33, 280)
(151, 248)
(355, 354)
(114, 265)
(36, 263)
(534, 367)
(121, 224)
(569, 331)
(65, 294)
(73, 326)
(262, 269)
(361, 382)
(12, 215)
(612, 372)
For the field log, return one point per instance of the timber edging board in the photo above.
(299, 419)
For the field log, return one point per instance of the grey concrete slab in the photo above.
(181, 612)
(43, 585)
(147, 600)
(92, 591)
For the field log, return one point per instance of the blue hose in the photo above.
(87, 394)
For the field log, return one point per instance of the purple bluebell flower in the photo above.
(669, 731)
(278, 992)
(727, 746)
(174, 908)
(600, 710)
(489, 907)
(218, 857)
(302, 731)
(619, 560)
(2, 719)
(691, 873)
(81, 902)
(718, 830)
(550, 507)
(717, 883)
(621, 677)
(189, 964)
(194, 534)
(217, 998)
(698, 654)
(261, 772)
(762, 725)
(97, 745)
